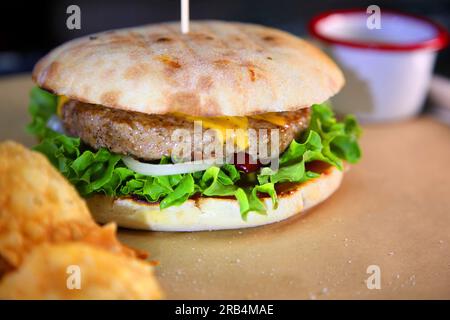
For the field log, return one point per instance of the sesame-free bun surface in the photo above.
(218, 68)
(212, 213)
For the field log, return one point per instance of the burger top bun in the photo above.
(218, 68)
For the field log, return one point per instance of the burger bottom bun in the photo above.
(212, 213)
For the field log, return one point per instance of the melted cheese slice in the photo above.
(221, 124)
(238, 124)
(61, 101)
(272, 117)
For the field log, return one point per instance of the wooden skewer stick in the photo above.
(184, 16)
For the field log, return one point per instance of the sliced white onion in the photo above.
(55, 123)
(167, 169)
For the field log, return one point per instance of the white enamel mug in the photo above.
(387, 70)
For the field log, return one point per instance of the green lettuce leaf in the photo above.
(181, 193)
(42, 106)
(339, 139)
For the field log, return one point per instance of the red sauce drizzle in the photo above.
(246, 167)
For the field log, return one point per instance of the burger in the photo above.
(113, 110)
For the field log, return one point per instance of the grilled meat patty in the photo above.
(148, 137)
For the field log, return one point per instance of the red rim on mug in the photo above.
(437, 42)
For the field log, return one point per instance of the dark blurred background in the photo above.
(29, 30)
